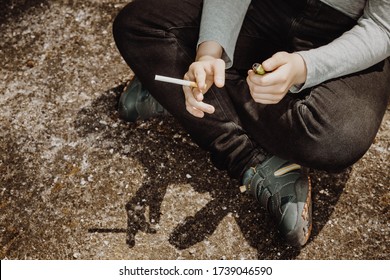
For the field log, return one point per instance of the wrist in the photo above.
(209, 50)
(301, 72)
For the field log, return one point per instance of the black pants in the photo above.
(327, 127)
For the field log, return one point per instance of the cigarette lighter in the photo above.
(258, 69)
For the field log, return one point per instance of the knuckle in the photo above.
(190, 100)
(194, 66)
(220, 62)
(190, 109)
(281, 54)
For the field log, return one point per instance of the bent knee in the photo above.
(130, 16)
(334, 152)
(336, 141)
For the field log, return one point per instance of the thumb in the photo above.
(274, 62)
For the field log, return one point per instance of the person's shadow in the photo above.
(168, 155)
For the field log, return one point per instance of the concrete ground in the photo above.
(78, 183)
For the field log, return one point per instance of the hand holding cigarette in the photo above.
(206, 73)
(193, 94)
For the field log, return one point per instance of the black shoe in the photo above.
(285, 192)
(136, 103)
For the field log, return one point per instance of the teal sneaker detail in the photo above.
(137, 103)
(285, 192)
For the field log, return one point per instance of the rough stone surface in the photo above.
(78, 183)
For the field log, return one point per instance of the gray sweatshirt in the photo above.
(366, 44)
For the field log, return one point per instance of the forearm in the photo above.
(363, 46)
(221, 22)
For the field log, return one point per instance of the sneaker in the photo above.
(285, 192)
(136, 103)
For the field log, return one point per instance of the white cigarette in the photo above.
(175, 81)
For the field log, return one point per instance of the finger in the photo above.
(265, 101)
(198, 111)
(197, 94)
(272, 93)
(189, 76)
(219, 73)
(269, 97)
(188, 94)
(275, 89)
(199, 105)
(200, 76)
(277, 77)
(275, 61)
(195, 112)
(254, 79)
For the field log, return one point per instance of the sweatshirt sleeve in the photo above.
(221, 22)
(366, 44)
